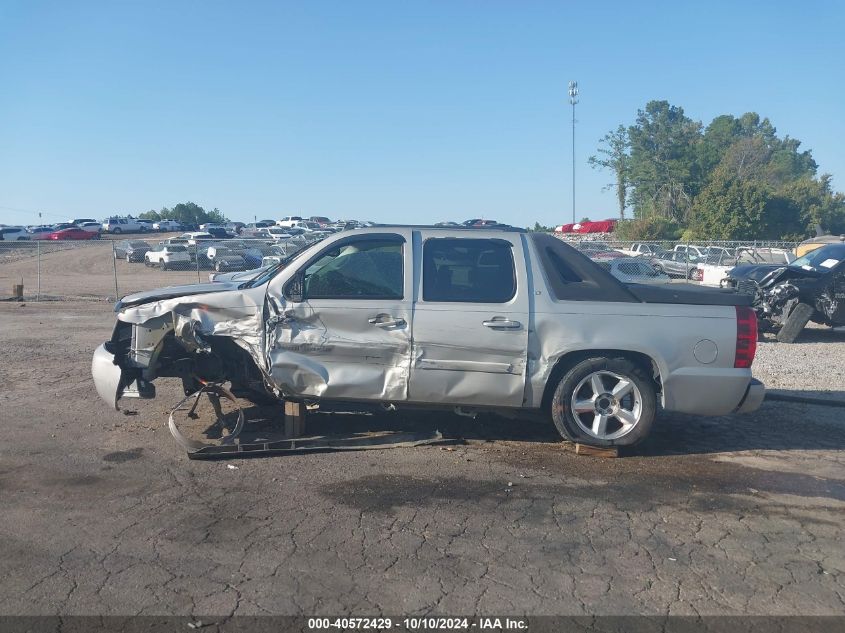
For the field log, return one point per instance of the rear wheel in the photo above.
(795, 323)
(604, 402)
(162, 264)
(117, 230)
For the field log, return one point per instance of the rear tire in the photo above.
(615, 399)
(795, 323)
(117, 230)
(163, 265)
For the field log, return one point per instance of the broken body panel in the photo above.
(432, 324)
(816, 279)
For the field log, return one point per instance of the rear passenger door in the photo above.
(470, 321)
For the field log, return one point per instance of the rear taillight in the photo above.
(746, 337)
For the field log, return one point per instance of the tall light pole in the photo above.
(573, 99)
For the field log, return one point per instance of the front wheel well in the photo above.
(568, 361)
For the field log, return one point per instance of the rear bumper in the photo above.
(753, 397)
(712, 391)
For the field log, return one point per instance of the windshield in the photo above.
(822, 259)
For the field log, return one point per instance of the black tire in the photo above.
(691, 272)
(565, 420)
(795, 322)
(163, 265)
(116, 230)
(658, 268)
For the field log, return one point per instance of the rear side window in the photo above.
(468, 270)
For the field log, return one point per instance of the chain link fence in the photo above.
(108, 269)
(703, 262)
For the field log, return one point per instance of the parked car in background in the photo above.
(193, 237)
(645, 249)
(501, 320)
(91, 227)
(168, 256)
(220, 233)
(786, 298)
(81, 221)
(39, 232)
(261, 224)
(289, 220)
(14, 234)
(131, 250)
(234, 227)
(117, 226)
(211, 225)
(632, 270)
(322, 220)
(682, 264)
(714, 270)
(72, 234)
(146, 225)
(271, 233)
(63, 225)
(167, 225)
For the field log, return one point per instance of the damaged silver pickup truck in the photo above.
(447, 318)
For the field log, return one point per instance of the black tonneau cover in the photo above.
(572, 276)
(689, 294)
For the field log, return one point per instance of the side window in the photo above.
(468, 270)
(371, 269)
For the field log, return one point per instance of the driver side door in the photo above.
(343, 330)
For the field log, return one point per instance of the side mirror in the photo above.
(295, 290)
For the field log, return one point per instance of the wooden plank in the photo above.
(295, 419)
(596, 451)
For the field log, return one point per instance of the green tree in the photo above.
(817, 204)
(663, 164)
(612, 155)
(729, 208)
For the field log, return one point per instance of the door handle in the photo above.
(502, 324)
(386, 321)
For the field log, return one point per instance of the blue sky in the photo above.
(388, 111)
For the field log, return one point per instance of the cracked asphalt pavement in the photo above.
(103, 513)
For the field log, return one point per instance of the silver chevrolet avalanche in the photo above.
(447, 318)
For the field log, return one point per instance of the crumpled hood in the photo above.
(171, 292)
(755, 272)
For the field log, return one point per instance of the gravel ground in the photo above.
(103, 513)
(814, 366)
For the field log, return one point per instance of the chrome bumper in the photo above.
(107, 375)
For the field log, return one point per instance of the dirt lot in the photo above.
(84, 269)
(103, 513)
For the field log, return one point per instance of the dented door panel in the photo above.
(344, 347)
